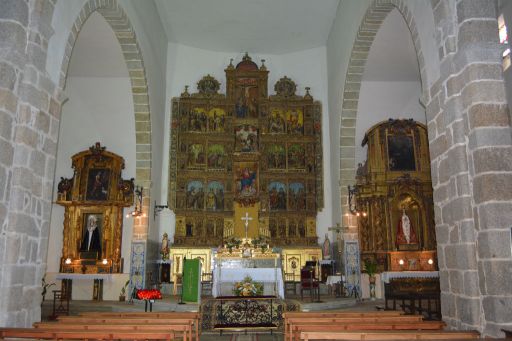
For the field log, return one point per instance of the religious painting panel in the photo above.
(277, 196)
(98, 181)
(272, 225)
(215, 196)
(302, 228)
(246, 138)
(292, 228)
(276, 121)
(92, 227)
(296, 156)
(246, 179)
(196, 156)
(295, 121)
(216, 120)
(217, 157)
(401, 153)
(407, 217)
(297, 195)
(247, 93)
(195, 195)
(198, 120)
(276, 156)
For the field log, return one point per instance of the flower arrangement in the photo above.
(248, 288)
(233, 242)
(149, 294)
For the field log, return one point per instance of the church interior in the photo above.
(273, 169)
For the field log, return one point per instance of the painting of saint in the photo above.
(276, 155)
(246, 138)
(295, 121)
(196, 156)
(198, 120)
(195, 195)
(277, 196)
(246, 180)
(296, 157)
(215, 196)
(401, 153)
(276, 122)
(216, 156)
(91, 235)
(97, 184)
(297, 196)
(216, 120)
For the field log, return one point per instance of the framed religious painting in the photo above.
(92, 237)
(98, 181)
(401, 153)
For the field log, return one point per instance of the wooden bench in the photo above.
(181, 331)
(296, 329)
(335, 319)
(116, 322)
(390, 335)
(167, 314)
(34, 333)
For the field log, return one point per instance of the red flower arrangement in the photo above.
(149, 294)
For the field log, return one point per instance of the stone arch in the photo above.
(370, 25)
(125, 34)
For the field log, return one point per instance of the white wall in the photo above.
(506, 10)
(187, 65)
(98, 109)
(379, 101)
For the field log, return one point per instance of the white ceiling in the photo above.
(239, 25)
(262, 26)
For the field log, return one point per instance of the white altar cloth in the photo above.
(264, 275)
(387, 276)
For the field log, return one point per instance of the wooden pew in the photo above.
(162, 314)
(296, 329)
(34, 333)
(191, 323)
(179, 330)
(342, 313)
(335, 318)
(390, 335)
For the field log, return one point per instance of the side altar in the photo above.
(245, 164)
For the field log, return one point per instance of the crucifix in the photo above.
(246, 219)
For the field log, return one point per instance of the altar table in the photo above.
(263, 275)
(387, 276)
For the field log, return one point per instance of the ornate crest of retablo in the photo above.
(285, 87)
(208, 85)
(97, 149)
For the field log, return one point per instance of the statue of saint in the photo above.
(326, 248)
(405, 233)
(164, 250)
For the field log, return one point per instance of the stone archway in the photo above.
(371, 23)
(125, 34)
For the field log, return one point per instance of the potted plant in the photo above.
(122, 294)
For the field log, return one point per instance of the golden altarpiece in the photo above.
(393, 198)
(245, 165)
(94, 199)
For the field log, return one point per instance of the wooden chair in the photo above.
(206, 283)
(308, 282)
(289, 283)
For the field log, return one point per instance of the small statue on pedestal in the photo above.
(164, 250)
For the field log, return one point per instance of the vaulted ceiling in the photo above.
(256, 26)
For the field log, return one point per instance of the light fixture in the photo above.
(158, 208)
(430, 261)
(68, 261)
(401, 262)
(105, 261)
(352, 201)
(137, 212)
